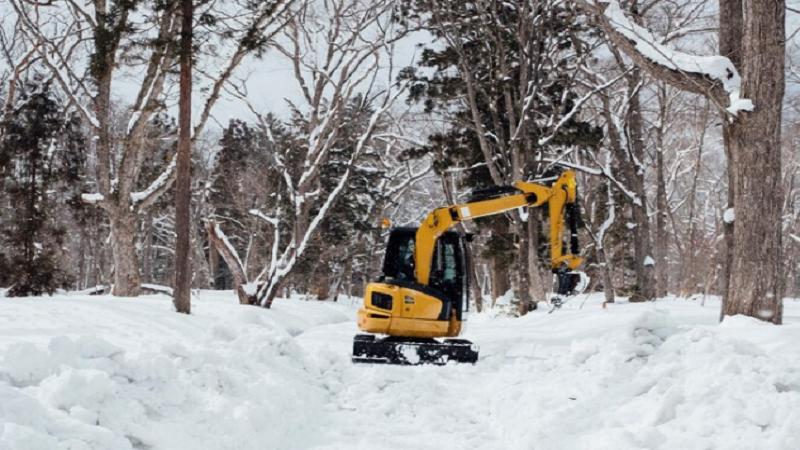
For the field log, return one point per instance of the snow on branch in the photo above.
(574, 166)
(231, 258)
(162, 183)
(271, 220)
(92, 199)
(675, 67)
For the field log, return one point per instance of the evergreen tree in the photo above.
(501, 74)
(34, 160)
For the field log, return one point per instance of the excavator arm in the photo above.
(561, 199)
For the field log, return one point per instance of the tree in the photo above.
(32, 164)
(356, 36)
(114, 37)
(505, 80)
(183, 194)
(746, 83)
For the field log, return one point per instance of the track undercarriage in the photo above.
(367, 348)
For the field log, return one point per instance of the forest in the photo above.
(399, 224)
(391, 109)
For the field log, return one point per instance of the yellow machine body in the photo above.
(411, 313)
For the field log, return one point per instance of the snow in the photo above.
(716, 67)
(98, 372)
(271, 220)
(729, 216)
(79, 372)
(157, 288)
(160, 182)
(92, 198)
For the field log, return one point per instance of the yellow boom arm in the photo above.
(563, 192)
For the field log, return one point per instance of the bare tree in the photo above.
(336, 78)
(114, 37)
(752, 38)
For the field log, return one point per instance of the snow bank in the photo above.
(239, 382)
(655, 384)
(89, 372)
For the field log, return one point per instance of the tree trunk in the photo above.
(475, 286)
(691, 273)
(183, 190)
(127, 279)
(660, 243)
(526, 303)
(213, 262)
(239, 277)
(643, 252)
(608, 282)
(756, 283)
(501, 282)
(731, 27)
(538, 288)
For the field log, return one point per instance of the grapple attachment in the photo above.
(412, 351)
(570, 284)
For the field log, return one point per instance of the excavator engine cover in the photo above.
(412, 351)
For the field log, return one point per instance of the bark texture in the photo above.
(660, 246)
(731, 25)
(127, 279)
(642, 247)
(756, 283)
(183, 193)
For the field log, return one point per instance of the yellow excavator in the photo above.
(423, 292)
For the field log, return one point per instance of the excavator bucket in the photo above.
(412, 351)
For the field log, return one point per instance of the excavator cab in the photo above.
(449, 277)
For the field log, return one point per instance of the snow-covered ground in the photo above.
(80, 372)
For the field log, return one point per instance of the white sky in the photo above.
(270, 82)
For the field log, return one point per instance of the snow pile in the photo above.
(81, 372)
(236, 385)
(654, 384)
(507, 305)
